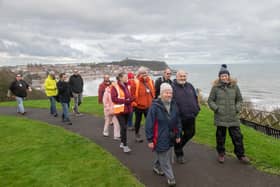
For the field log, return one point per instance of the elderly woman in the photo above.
(225, 100)
(163, 127)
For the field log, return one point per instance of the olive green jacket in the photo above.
(225, 101)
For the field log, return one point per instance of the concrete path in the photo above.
(201, 167)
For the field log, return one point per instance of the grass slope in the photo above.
(33, 153)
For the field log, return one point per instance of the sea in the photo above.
(259, 83)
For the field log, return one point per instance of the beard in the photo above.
(181, 81)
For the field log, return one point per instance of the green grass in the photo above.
(263, 150)
(33, 153)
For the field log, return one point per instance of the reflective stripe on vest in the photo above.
(118, 108)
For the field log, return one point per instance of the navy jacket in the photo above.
(186, 99)
(160, 125)
(64, 91)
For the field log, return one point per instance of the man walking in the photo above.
(165, 78)
(76, 85)
(187, 102)
(18, 88)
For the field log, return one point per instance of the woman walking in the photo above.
(122, 99)
(225, 100)
(163, 127)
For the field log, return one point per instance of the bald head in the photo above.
(181, 77)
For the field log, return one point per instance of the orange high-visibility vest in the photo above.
(118, 108)
(137, 85)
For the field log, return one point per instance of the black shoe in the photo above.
(158, 171)
(69, 123)
(180, 160)
(55, 115)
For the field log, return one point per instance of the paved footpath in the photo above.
(200, 170)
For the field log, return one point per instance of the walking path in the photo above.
(201, 167)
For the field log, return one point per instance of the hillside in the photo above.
(6, 77)
(152, 64)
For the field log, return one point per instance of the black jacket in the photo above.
(158, 82)
(64, 91)
(18, 88)
(76, 83)
(186, 99)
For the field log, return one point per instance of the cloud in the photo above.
(188, 31)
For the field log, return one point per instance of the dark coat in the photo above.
(225, 100)
(158, 82)
(161, 125)
(19, 88)
(186, 99)
(76, 83)
(64, 92)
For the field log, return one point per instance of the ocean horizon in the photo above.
(259, 83)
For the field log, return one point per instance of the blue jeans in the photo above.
(53, 105)
(65, 108)
(20, 107)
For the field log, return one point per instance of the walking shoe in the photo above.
(126, 149)
(138, 138)
(180, 160)
(121, 146)
(221, 158)
(55, 115)
(244, 160)
(171, 182)
(69, 123)
(158, 171)
(106, 134)
(78, 114)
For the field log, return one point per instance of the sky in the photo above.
(177, 32)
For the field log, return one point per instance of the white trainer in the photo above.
(126, 149)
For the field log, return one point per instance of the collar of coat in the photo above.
(218, 83)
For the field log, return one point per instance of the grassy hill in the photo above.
(35, 153)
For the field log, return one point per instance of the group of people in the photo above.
(57, 91)
(169, 106)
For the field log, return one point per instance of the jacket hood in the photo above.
(217, 82)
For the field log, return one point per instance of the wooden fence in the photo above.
(264, 121)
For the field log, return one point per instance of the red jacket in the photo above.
(101, 90)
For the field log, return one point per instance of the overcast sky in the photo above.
(181, 31)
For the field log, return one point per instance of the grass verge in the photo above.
(33, 153)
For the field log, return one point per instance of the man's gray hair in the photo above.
(142, 69)
(165, 86)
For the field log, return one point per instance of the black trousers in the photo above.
(123, 118)
(188, 131)
(138, 117)
(236, 138)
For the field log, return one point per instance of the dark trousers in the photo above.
(138, 117)
(236, 138)
(123, 124)
(188, 131)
